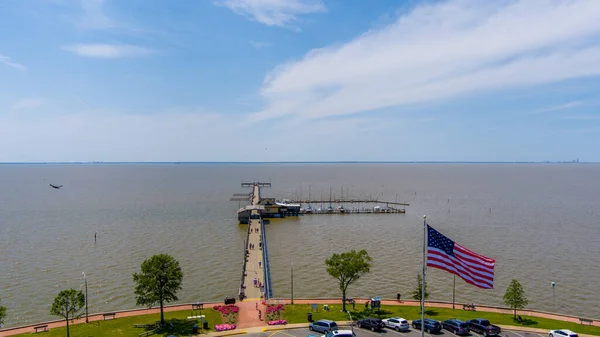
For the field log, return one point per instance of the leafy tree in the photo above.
(2, 314)
(417, 293)
(514, 297)
(158, 282)
(67, 304)
(348, 268)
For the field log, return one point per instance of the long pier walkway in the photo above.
(253, 271)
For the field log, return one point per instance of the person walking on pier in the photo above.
(258, 264)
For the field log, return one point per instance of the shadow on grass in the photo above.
(526, 322)
(177, 326)
(431, 312)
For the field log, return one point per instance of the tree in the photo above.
(158, 282)
(514, 297)
(417, 293)
(67, 304)
(2, 314)
(348, 268)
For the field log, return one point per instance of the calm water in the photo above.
(540, 222)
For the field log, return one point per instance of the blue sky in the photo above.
(299, 80)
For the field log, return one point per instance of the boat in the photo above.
(286, 206)
(341, 209)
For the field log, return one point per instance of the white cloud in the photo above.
(441, 51)
(9, 62)
(280, 13)
(108, 50)
(27, 104)
(94, 16)
(560, 107)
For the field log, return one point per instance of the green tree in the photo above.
(417, 293)
(67, 304)
(158, 282)
(348, 268)
(514, 297)
(2, 314)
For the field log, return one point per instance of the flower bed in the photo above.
(229, 313)
(224, 327)
(274, 313)
(278, 322)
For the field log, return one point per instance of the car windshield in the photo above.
(485, 323)
(404, 322)
(462, 325)
(333, 325)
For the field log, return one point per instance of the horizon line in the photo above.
(291, 162)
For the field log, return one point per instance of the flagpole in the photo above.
(423, 277)
(453, 289)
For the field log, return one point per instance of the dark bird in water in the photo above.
(56, 186)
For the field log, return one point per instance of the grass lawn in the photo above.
(124, 326)
(297, 314)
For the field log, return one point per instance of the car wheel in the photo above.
(551, 335)
(311, 328)
(360, 326)
(373, 328)
(398, 329)
(428, 330)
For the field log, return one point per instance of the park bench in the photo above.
(197, 306)
(469, 306)
(144, 325)
(586, 320)
(109, 314)
(41, 327)
(147, 333)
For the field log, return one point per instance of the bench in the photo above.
(144, 325)
(586, 320)
(469, 307)
(109, 314)
(41, 327)
(197, 306)
(147, 333)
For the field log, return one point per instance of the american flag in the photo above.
(445, 254)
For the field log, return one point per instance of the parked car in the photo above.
(323, 325)
(370, 323)
(396, 323)
(562, 333)
(484, 327)
(457, 326)
(431, 326)
(340, 333)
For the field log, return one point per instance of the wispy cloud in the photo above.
(94, 17)
(279, 13)
(560, 107)
(259, 44)
(582, 117)
(441, 50)
(26, 104)
(8, 62)
(113, 51)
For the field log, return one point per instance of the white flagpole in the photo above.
(423, 276)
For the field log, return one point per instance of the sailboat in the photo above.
(329, 209)
(308, 208)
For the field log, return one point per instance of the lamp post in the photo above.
(292, 282)
(553, 284)
(86, 298)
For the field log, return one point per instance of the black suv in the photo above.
(457, 326)
(371, 323)
(431, 326)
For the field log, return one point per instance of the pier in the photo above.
(256, 278)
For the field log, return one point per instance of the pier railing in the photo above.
(266, 266)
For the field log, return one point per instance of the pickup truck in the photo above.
(484, 327)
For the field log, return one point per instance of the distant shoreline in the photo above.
(291, 162)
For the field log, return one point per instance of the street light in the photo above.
(553, 295)
(86, 300)
(292, 282)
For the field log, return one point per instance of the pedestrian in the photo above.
(398, 297)
(353, 304)
(256, 305)
(255, 282)
(95, 237)
(260, 315)
(258, 264)
(367, 305)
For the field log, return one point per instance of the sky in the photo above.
(299, 80)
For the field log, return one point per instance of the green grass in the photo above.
(298, 314)
(124, 326)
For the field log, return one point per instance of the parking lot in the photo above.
(386, 333)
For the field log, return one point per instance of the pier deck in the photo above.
(254, 256)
